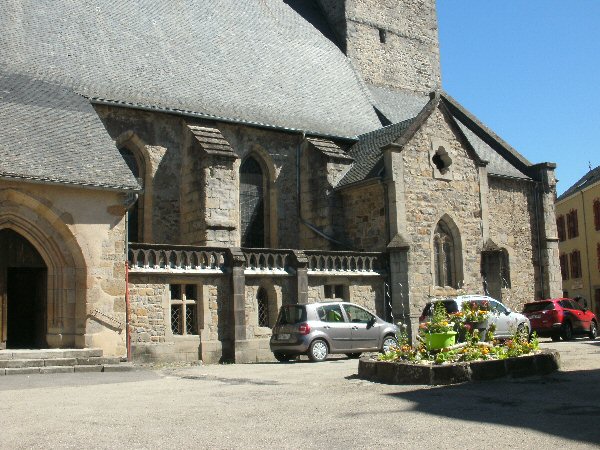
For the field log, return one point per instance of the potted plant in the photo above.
(473, 317)
(439, 332)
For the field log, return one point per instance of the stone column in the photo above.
(545, 191)
(399, 245)
(301, 277)
(210, 190)
(238, 308)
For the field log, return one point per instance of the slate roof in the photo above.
(497, 165)
(254, 61)
(403, 108)
(593, 176)
(397, 105)
(367, 152)
(329, 148)
(48, 133)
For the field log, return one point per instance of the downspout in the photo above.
(299, 200)
(536, 200)
(127, 305)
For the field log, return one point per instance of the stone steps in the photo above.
(25, 362)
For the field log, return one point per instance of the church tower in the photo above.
(393, 43)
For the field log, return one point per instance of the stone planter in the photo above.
(440, 374)
(438, 341)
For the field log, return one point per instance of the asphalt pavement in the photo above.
(301, 405)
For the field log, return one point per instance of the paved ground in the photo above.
(301, 405)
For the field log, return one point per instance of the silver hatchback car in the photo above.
(317, 329)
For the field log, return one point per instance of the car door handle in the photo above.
(326, 326)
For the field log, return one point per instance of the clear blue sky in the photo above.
(530, 70)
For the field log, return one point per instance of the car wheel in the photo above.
(282, 357)
(555, 337)
(354, 355)
(318, 350)
(388, 342)
(593, 330)
(567, 331)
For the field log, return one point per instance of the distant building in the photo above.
(578, 225)
(174, 172)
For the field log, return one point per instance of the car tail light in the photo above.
(303, 328)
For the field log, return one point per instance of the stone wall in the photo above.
(365, 218)
(428, 199)
(157, 139)
(276, 151)
(513, 227)
(408, 59)
(151, 336)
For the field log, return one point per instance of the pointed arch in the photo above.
(134, 152)
(447, 260)
(66, 268)
(258, 199)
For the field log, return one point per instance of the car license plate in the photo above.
(283, 337)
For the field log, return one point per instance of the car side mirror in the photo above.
(371, 322)
(507, 312)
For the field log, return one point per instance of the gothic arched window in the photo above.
(444, 256)
(135, 212)
(252, 204)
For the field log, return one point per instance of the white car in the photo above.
(507, 322)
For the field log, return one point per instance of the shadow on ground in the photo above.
(565, 404)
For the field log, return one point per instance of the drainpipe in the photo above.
(127, 306)
(299, 200)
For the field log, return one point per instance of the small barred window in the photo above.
(184, 307)
(263, 308)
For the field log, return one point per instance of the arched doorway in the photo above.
(23, 278)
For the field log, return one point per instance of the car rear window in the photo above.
(292, 314)
(450, 305)
(538, 306)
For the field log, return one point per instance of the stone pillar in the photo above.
(398, 254)
(301, 277)
(210, 190)
(545, 191)
(241, 344)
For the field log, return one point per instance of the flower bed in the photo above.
(478, 356)
(404, 372)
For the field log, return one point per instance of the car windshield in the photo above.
(538, 306)
(292, 314)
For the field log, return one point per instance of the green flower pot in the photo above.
(437, 341)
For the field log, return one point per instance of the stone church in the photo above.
(173, 172)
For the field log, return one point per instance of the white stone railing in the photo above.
(344, 262)
(266, 260)
(173, 258)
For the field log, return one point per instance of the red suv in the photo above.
(561, 317)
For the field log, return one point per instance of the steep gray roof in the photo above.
(593, 176)
(397, 105)
(48, 133)
(253, 61)
(497, 165)
(367, 152)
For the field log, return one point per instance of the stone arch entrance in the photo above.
(23, 275)
(57, 269)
